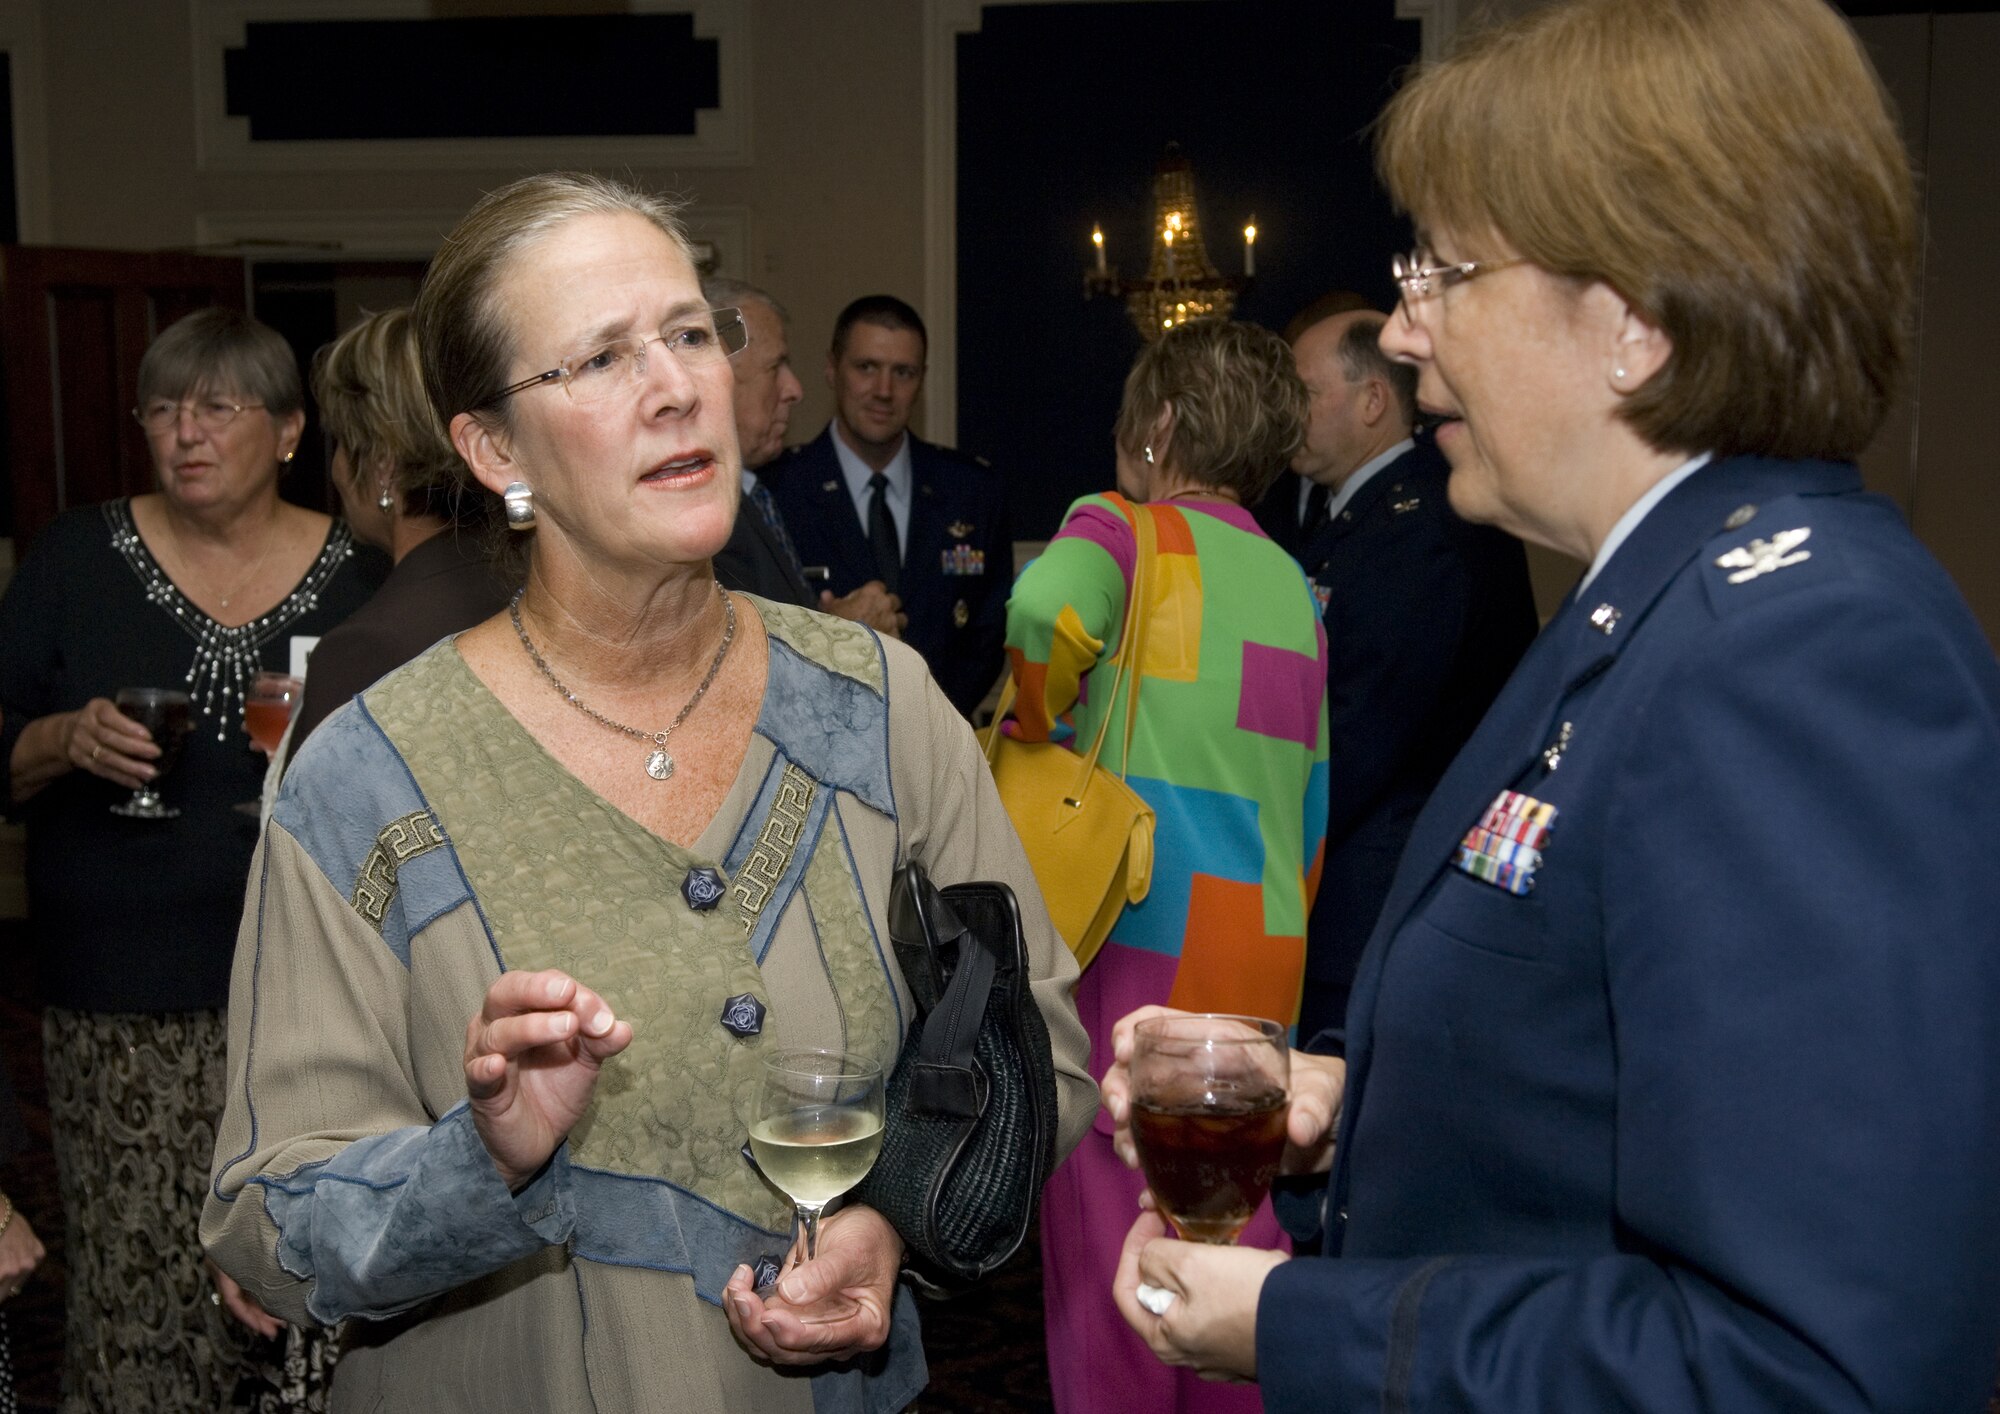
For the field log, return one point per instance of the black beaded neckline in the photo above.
(225, 658)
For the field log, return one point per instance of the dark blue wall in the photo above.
(1063, 112)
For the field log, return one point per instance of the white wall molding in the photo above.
(351, 234)
(1439, 19)
(722, 136)
(22, 38)
(944, 22)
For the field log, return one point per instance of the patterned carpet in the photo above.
(985, 1349)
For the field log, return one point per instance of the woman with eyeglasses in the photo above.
(532, 911)
(1669, 1074)
(195, 587)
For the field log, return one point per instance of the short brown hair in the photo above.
(225, 352)
(463, 339)
(885, 310)
(369, 384)
(1729, 167)
(1361, 358)
(1325, 307)
(1239, 407)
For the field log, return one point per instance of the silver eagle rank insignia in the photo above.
(1760, 557)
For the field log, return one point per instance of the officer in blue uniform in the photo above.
(1425, 617)
(1670, 1068)
(867, 500)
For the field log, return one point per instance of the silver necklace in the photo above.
(659, 765)
(181, 554)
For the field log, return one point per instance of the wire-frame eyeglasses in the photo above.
(604, 369)
(1419, 281)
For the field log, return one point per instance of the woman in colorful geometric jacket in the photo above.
(1229, 748)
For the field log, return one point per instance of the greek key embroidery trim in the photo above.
(399, 842)
(772, 853)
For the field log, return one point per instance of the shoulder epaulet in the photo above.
(1760, 549)
(954, 454)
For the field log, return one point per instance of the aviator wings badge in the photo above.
(1763, 556)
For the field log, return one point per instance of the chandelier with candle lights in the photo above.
(1180, 283)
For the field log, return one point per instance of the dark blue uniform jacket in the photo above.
(1710, 1118)
(1425, 618)
(958, 558)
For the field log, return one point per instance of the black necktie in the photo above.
(1315, 515)
(882, 532)
(767, 506)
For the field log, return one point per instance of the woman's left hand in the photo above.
(831, 1308)
(1211, 1326)
(241, 1304)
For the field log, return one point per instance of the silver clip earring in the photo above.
(385, 501)
(520, 505)
(1149, 456)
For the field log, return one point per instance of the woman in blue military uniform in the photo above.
(1669, 1072)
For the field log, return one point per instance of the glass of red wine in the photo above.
(169, 717)
(1209, 1103)
(268, 708)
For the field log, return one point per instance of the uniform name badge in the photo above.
(1505, 848)
(963, 560)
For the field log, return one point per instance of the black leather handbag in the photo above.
(970, 1110)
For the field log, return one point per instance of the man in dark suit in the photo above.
(1295, 504)
(1426, 615)
(760, 557)
(868, 500)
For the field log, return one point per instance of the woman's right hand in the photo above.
(102, 740)
(531, 1061)
(1318, 1083)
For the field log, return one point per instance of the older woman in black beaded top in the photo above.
(192, 588)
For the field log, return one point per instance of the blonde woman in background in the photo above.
(403, 489)
(1229, 747)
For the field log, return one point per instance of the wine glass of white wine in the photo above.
(818, 1128)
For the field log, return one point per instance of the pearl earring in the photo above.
(1149, 456)
(520, 501)
(1618, 376)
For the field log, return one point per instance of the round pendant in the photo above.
(659, 765)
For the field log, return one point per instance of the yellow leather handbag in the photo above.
(1088, 835)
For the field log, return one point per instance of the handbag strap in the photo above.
(944, 1080)
(1131, 648)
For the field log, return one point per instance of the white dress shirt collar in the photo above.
(858, 474)
(1362, 475)
(1638, 511)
